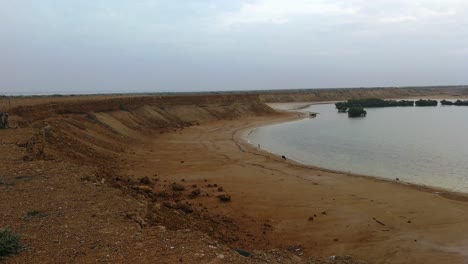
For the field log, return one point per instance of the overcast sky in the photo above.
(94, 46)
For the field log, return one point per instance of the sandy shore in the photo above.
(325, 212)
(84, 179)
(295, 108)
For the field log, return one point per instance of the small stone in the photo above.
(311, 219)
(170, 205)
(224, 197)
(145, 180)
(138, 219)
(220, 189)
(144, 188)
(178, 187)
(90, 178)
(186, 208)
(163, 194)
(195, 193)
(242, 252)
(28, 158)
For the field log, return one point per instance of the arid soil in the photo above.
(319, 95)
(157, 180)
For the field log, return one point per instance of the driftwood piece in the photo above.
(378, 222)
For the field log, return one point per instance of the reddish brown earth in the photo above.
(136, 179)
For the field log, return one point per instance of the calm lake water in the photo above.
(423, 145)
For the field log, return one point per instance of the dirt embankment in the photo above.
(70, 189)
(318, 95)
(205, 106)
(88, 129)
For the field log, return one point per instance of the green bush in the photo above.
(32, 213)
(356, 112)
(445, 102)
(458, 103)
(422, 102)
(124, 107)
(342, 107)
(9, 243)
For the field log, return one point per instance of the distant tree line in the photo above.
(458, 102)
(355, 107)
(372, 102)
(429, 102)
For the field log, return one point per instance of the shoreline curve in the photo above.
(240, 137)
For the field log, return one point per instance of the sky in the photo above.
(105, 46)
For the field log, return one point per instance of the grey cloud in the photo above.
(118, 46)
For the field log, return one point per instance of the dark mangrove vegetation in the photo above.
(422, 102)
(371, 102)
(458, 103)
(354, 107)
(357, 105)
(356, 112)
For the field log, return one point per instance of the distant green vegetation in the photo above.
(342, 110)
(458, 103)
(356, 105)
(9, 243)
(124, 107)
(372, 102)
(422, 102)
(356, 112)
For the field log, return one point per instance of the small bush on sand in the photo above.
(9, 243)
(124, 107)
